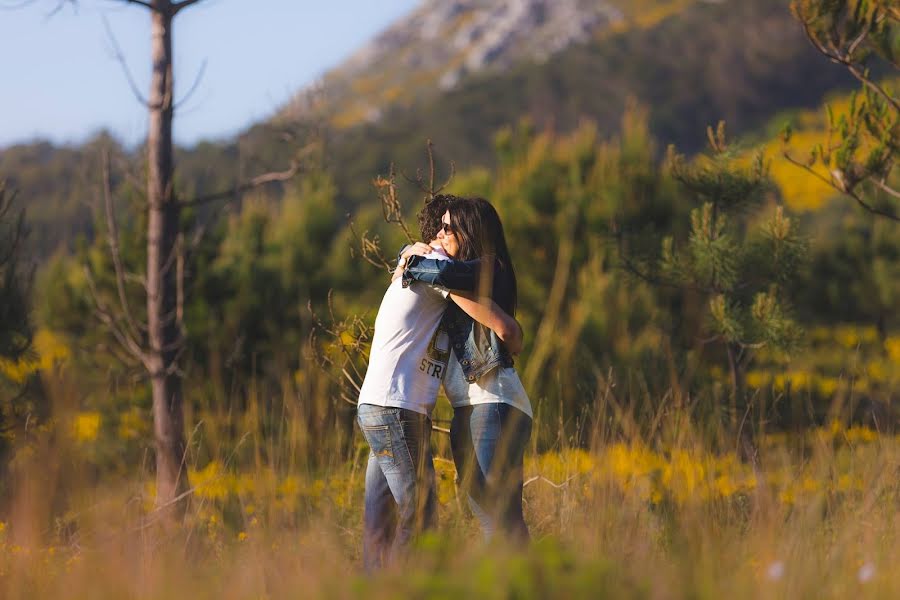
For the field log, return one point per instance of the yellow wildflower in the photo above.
(86, 426)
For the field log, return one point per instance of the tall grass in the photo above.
(660, 511)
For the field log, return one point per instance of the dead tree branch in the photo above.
(112, 234)
(193, 87)
(259, 180)
(120, 58)
(122, 336)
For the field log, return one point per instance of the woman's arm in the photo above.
(488, 313)
(461, 278)
(450, 274)
(409, 250)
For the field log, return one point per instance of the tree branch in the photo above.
(178, 7)
(112, 231)
(124, 339)
(147, 5)
(836, 56)
(390, 203)
(17, 5)
(841, 188)
(271, 177)
(194, 85)
(370, 248)
(120, 57)
(885, 188)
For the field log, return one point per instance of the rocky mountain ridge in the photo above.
(444, 42)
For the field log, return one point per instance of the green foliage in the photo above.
(15, 326)
(15, 332)
(558, 196)
(854, 270)
(863, 148)
(742, 263)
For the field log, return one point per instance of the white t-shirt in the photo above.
(497, 385)
(409, 355)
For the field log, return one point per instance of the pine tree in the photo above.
(15, 327)
(739, 257)
(15, 332)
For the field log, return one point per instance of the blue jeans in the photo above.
(400, 499)
(488, 443)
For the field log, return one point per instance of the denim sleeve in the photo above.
(451, 274)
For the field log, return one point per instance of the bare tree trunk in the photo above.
(162, 291)
(161, 351)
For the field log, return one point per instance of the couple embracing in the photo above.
(447, 317)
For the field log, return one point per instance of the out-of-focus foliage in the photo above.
(598, 338)
(16, 353)
(557, 196)
(860, 156)
(15, 333)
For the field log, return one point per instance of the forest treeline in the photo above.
(271, 273)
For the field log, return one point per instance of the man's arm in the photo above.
(488, 313)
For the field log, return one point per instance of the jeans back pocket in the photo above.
(381, 443)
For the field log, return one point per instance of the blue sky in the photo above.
(60, 80)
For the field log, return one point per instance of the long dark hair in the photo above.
(479, 233)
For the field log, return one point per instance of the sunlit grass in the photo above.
(672, 514)
(624, 518)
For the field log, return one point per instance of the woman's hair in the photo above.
(479, 233)
(430, 216)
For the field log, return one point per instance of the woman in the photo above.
(492, 415)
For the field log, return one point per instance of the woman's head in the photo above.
(470, 229)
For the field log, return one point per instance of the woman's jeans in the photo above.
(488, 443)
(400, 496)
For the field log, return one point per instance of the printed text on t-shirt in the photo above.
(431, 368)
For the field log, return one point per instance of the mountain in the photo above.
(444, 42)
(689, 64)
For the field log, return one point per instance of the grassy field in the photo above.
(625, 517)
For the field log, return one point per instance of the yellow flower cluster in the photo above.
(86, 426)
(49, 351)
(839, 358)
(684, 476)
(264, 487)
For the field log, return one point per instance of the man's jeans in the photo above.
(400, 486)
(488, 443)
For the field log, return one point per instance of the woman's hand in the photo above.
(514, 338)
(416, 249)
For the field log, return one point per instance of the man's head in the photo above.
(430, 216)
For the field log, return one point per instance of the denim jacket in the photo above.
(477, 348)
